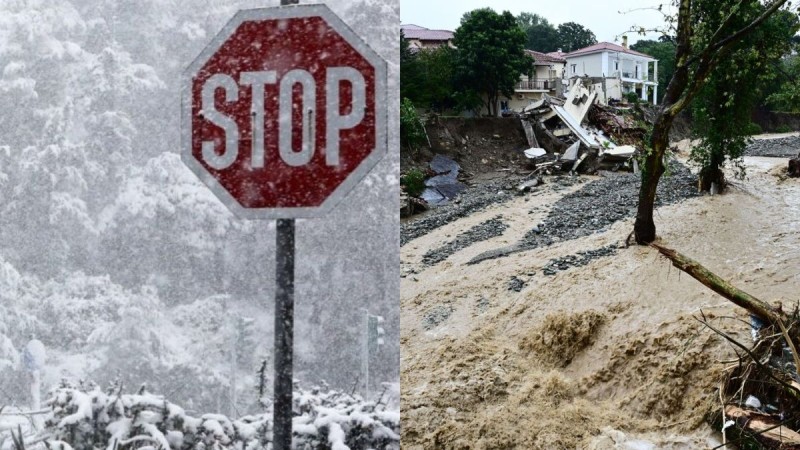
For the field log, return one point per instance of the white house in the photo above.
(625, 70)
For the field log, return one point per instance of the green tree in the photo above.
(573, 36)
(540, 34)
(722, 111)
(664, 51)
(410, 78)
(491, 56)
(436, 88)
(787, 96)
(701, 45)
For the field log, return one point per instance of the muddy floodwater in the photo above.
(516, 352)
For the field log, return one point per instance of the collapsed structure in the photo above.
(579, 135)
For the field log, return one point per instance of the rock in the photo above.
(436, 316)
(528, 185)
(515, 284)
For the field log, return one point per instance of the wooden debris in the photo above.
(764, 428)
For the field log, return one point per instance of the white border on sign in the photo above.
(381, 132)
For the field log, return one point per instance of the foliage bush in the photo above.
(632, 98)
(85, 418)
(753, 128)
(783, 129)
(412, 133)
(413, 182)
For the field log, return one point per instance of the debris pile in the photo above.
(762, 391)
(577, 135)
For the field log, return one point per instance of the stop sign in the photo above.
(284, 112)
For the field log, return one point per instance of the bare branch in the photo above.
(791, 388)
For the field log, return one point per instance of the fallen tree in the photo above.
(773, 315)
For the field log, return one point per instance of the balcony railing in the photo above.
(633, 75)
(536, 85)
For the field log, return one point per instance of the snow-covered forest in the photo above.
(127, 268)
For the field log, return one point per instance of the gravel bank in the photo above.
(577, 260)
(785, 147)
(596, 206)
(491, 228)
(472, 200)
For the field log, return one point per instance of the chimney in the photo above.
(624, 41)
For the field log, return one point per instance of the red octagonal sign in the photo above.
(284, 112)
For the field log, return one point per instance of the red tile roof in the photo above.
(605, 46)
(544, 59)
(424, 34)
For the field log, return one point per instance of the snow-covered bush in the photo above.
(88, 418)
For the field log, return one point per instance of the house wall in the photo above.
(517, 101)
(417, 43)
(613, 88)
(586, 65)
(627, 63)
(592, 65)
(543, 72)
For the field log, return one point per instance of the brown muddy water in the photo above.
(608, 355)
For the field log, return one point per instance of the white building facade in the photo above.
(631, 71)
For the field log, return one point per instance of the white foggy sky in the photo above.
(602, 17)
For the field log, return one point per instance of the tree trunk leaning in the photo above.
(759, 308)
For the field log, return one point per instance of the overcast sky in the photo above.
(602, 17)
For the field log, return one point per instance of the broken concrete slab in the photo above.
(576, 128)
(621, 151)
(533, 153)
(572, 152)
(579, 100)
(529, 135)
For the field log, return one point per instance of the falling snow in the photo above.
(129, 270)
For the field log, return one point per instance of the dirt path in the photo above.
(599, 356)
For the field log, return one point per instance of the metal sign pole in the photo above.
(284, 334)
(284, 328)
